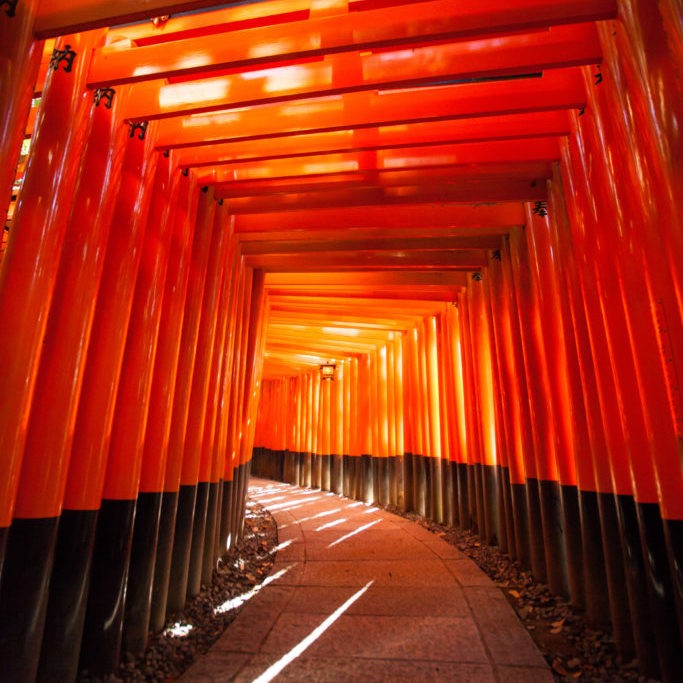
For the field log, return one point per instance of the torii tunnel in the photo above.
(471, 209)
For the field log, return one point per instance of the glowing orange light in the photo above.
(327, 371)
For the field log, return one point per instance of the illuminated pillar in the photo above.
(27, 281)
(19, 64)
(165, 593)
(60, 377)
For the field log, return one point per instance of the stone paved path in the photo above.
(358, 594)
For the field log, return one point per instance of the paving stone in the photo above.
(444, 550)
(467, 573)
(348, 670)
(507, 640)
(416, 572)
(525, 674)
(386, 637)
(217, 668)
(413, 601)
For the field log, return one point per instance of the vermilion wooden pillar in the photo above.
(242, 405)
(226, 538)
(19, 63)
(62, 365)
(607, 321)
(647, 318)
(592, 462)
(30, 263)
(519, 416)
(164, 382)
(29, 267)
(644, 60)
(519, 273)
(214, 443)
(169, 588)
(546, 264)
(196, 461)
(124, 422)
(130, 427)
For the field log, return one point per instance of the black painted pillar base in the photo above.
(383, 474)
(4, 532)
(553, 535)
(226, 510)
(455, 502)
(660, 593)
(108, 578)
(408, 484)
(299, 469)
(374, 466)
(673, 535)
(141, 572)
(391, 478)
(194, 572)
(520, 516)
(399, 473)
(620, 613)
(346, 478)
(536, 538)
(506, 519)
(24, 595)
(447, 492)
(209, 554)
(479, 499)
(61, 646)
(571, 522)
(326, 468)
(636, 586)
(490, 486)
(435, 488)
(315, 471)
(594, 577)
(182, 542)
(337, 475)
(162, 562)
(235, 509)
(420, 486)
(306, 480)
(366, 479)
(473, 497)
(236, 512)
(463, 496)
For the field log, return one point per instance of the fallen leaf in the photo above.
(557, 666)
(514, 593)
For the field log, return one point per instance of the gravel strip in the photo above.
(188, 635)
(572, 647)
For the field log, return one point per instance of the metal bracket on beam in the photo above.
(106, 94)
(495, 254)
(598, 75)
(477, 277)
(139, 126)
(11, 10)
(186, 171)
(66, 55)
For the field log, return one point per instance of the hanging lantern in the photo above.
(327, 371)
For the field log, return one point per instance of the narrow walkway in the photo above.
(358, 594)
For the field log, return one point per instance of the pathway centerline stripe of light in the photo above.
(298, 649)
